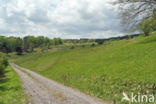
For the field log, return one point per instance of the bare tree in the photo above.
(133, 12)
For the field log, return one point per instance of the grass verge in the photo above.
(11, 91)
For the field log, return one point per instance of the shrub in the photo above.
(3, 64)
(83, 46)
(72, 47)
(100, 42)
(93, 44)
(2, 67)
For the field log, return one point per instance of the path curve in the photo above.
(45, 91)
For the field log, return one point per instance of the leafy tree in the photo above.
(4, 48)
(29, 43)
(19, 50)
(12, 43)
(26, 44)
(19, 46)
(57, 41)
(82, 41)
(100, 41)
(133, 12)
(93, 44)
(148, 25)
(47, 42)
(91, 40)
(9, 44)
(153, 21)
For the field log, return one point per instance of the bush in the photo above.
(3, 64)
(100, 42)
(93, 44)
(83, 46)
(72, 47)
(2, 68)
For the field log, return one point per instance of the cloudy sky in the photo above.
(59, 18)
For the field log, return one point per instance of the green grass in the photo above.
(104, 71)
(11, 91)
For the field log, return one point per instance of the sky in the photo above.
(60, 18)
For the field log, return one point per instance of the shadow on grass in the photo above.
(149, 39)
(4, 87)
(4, 80)
(1, 102)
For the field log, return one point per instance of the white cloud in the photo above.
(59, 18)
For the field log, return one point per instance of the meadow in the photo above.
(103, 71)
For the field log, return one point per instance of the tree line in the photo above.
(26, 44)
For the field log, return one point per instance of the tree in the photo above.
(145, 28)
(82, 41)
(91, 40)
(29, 43)
(133, 12)
(39, 41)
(57, 41)
(26, 44)
(93, 44)
(19, 50)
(12, 43)
(19, 46)
(148, 25)
(4, 48)
(47, 42)
(99, 41)
(153, 21)
(9, 44)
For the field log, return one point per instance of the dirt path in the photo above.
(45, 91)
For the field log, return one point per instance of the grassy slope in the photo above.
(104, 71)
(11, 91)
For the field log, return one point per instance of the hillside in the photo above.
(104, 71)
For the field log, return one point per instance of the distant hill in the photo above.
(103, 40)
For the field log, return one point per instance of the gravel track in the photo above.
(45, 91)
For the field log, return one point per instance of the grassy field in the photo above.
(11, 91)
(104, 71)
